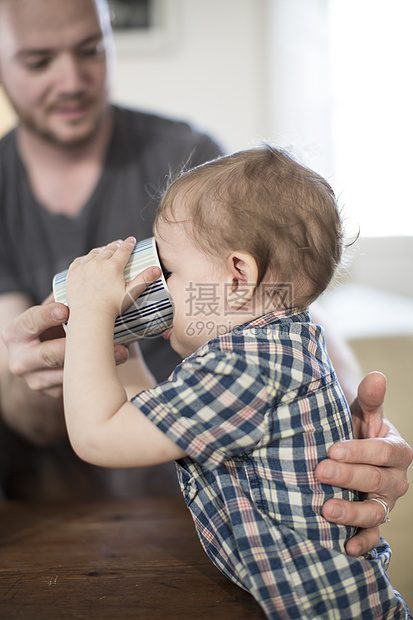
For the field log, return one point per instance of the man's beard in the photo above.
(46, 133)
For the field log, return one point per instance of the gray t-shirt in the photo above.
(36, 244)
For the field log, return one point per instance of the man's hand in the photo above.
(32, 356)
(36, 347)
(375, 464)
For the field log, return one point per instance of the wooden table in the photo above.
(137, 559)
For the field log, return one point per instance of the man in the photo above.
(79, 173)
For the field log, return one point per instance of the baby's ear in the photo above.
(242, 279)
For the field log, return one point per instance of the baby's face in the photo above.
(196, 283)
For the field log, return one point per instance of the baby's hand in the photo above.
(96, 282)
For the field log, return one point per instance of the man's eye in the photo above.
(93, 50)
(38, 65)
(90, 51)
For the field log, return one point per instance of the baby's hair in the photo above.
(264, 202)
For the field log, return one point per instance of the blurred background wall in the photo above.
(330, 80)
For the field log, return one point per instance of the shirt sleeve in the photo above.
(213, 406)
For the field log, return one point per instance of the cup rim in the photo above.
(162, 276)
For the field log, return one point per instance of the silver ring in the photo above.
(386, 507)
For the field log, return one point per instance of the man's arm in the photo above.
(31, 370)
(32, 350)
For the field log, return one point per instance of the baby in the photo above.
(247, 242)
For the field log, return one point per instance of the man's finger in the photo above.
(34, 321)
(367, 408)
(385, 482)
(363, 542)
(364, 478)
(365, 514)
(48, 355)
(371, 392)
(46, 381)
(56, 392)
(121, 354)
(389, 451)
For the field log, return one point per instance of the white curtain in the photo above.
(341, 94)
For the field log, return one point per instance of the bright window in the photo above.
(371, 68)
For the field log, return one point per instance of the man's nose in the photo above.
(70, 74)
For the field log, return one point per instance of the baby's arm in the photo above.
(104, 427)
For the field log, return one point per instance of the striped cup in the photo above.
(151, 313)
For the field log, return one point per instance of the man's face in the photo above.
(53, 67)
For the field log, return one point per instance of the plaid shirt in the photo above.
(256, 410)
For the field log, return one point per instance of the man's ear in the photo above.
(242, 279)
